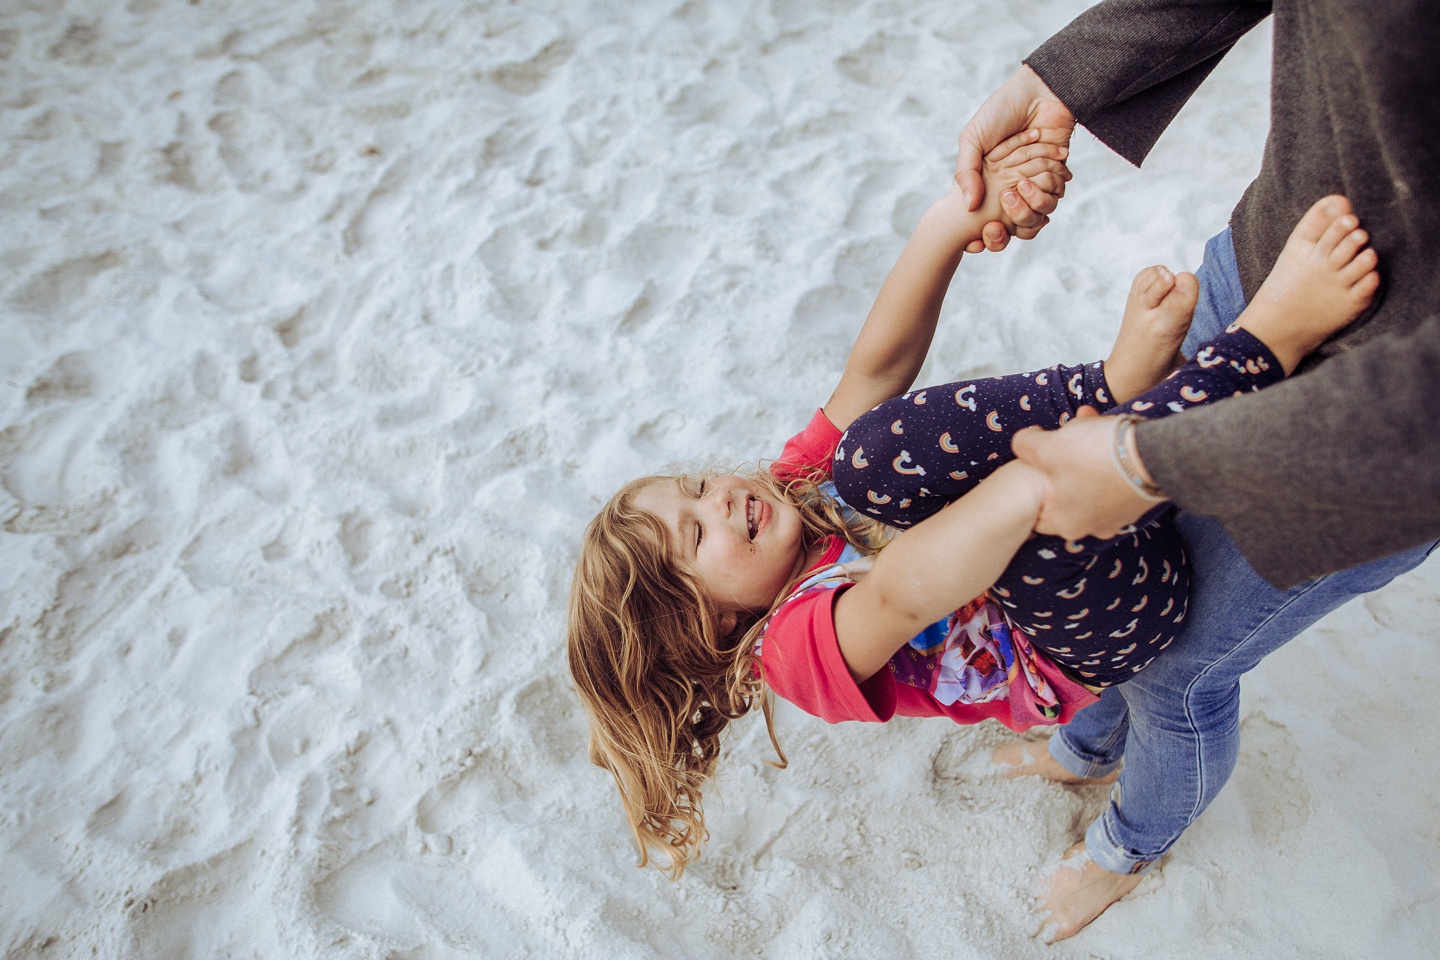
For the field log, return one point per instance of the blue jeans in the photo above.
(1177, 724)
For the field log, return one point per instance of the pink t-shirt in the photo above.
(801, 661)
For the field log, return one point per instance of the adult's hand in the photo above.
(1023, 102)
(1085, 494)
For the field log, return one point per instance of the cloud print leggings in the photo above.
(1101, 608)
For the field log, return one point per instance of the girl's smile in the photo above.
(730, 534)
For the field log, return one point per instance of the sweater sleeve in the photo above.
(1327, 470)
(1126, 67)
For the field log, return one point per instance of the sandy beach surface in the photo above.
(326, 325)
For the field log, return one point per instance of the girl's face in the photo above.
(731, 534)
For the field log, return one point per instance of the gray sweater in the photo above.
(1341, 463)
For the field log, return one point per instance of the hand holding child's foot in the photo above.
(1157, 317)
(1324, 278)
(1077, 892)
(1031, 758)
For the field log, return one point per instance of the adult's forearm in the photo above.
(1126, 67)
(1325, 471)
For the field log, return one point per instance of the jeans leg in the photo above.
(1179, 726)
(1184, 731)
(1221, 297)
(1093, 742)
(906, 458)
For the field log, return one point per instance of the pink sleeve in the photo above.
(801, 659)
(809, 450)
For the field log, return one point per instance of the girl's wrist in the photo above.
(959, 225)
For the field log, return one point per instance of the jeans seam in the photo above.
(1187, 699)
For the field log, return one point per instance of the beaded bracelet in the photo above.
(1119, 453)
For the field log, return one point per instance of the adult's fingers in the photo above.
(1008, 146)
(1020, 153)
(1029, 233)
(1029, 445)
(1049, 183)
(1038, 200)
(1004, 113)
(1018, 209)
(1085, 495)
(1056, 135)
(1033, 168)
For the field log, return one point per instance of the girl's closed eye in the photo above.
(699, 529)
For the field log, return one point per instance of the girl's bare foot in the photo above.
(1031, 758)
(1325, 278)
(1147, 348)
(1077, 892)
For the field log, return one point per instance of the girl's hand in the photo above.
(1024, 175)
(1026, 158)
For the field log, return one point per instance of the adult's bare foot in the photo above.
(1077, 892)
(1157, 317)
(1031, 758)
(1324, 278)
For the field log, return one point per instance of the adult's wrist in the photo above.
(1128, 461)
(1039, 90)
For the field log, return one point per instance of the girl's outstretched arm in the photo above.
(939, 565)
(892, 345)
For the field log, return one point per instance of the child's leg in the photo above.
(1106, 608)
(940, 442)
(1234, 362)
(1103, 608)
(1324, 278)
(910, 456)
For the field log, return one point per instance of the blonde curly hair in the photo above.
(658, 682)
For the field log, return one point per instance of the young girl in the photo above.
(694, 593)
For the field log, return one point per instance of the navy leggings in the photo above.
(1102, 608)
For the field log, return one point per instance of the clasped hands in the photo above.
(1085, 494)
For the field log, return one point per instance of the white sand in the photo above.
(327, 325)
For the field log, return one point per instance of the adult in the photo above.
(1296, 499)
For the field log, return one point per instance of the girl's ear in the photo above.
(727, 623)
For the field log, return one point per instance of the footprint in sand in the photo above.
(1275, 797)
(549, 716)
(57, 288)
